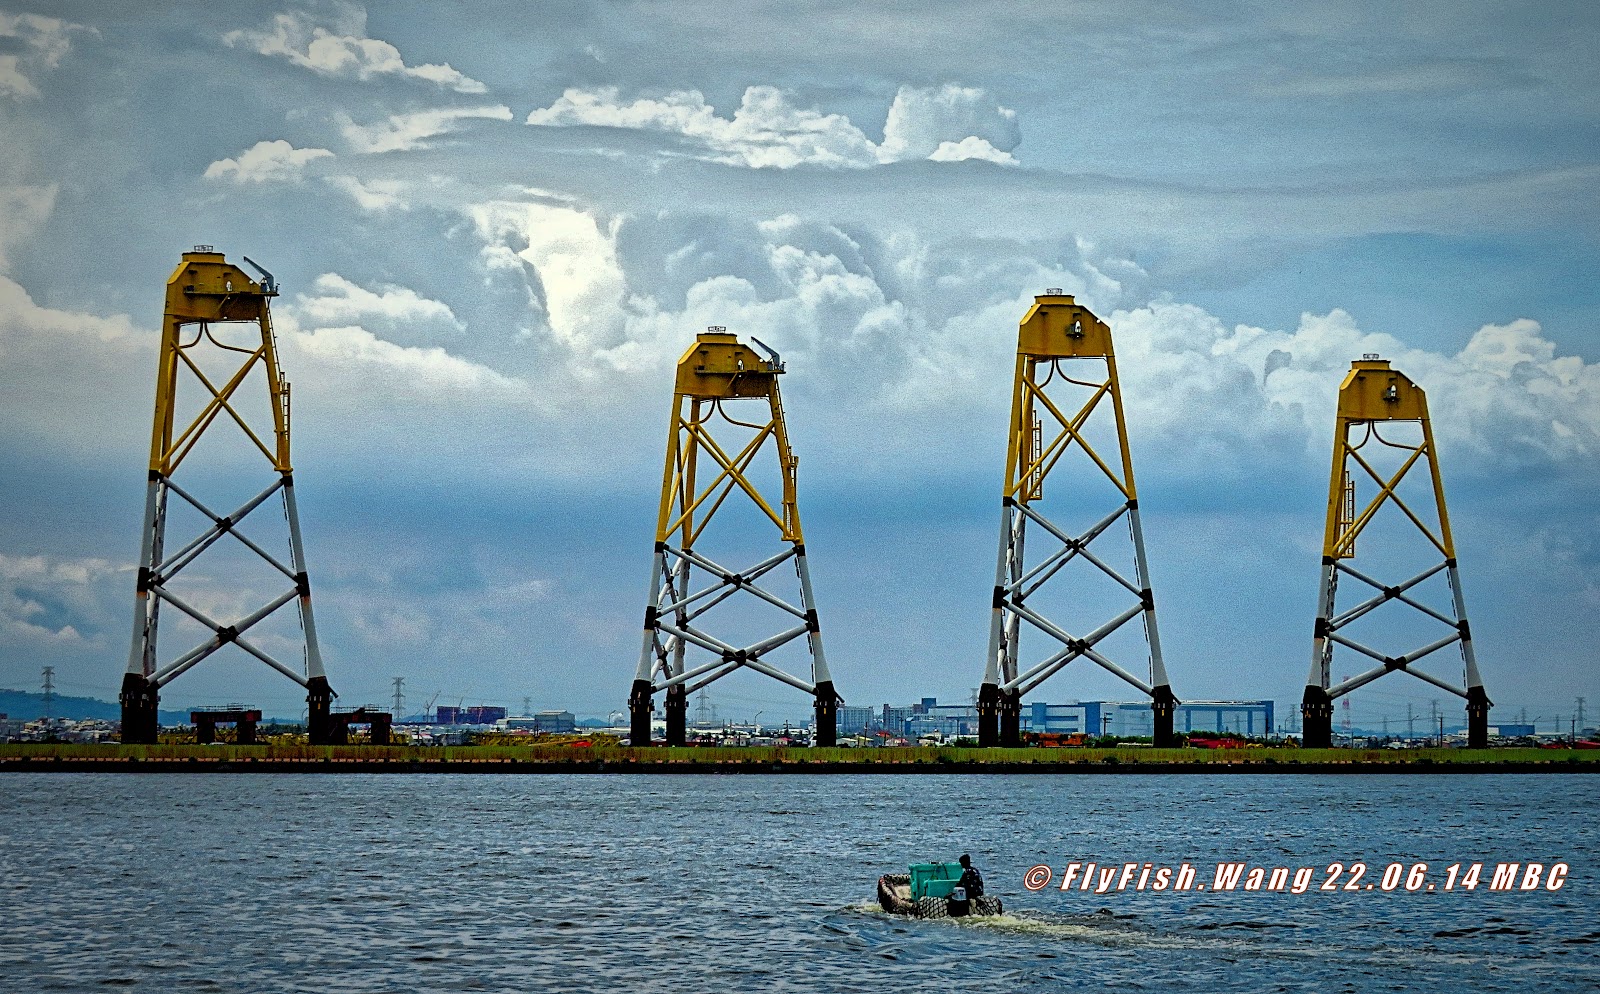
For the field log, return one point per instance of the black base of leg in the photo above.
(1011, 719)
(1316, 711)
(677, 716)
(989, 715)
(139, 704)
(319, 705)
(640, 711)
(1163, 704)
(825, 732)
(1478, 704)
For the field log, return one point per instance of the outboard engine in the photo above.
(958, 904)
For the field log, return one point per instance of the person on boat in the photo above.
(971, 879)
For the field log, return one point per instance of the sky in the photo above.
(496, 227)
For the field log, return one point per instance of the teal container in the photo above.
(934, 879)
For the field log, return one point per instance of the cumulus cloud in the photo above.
(64, 375)
(345, 357)
(38, 43)
(1507, 395)
(371, 195)
(580, 285)
(393, 309)
(51, 601)
(22, 210)
(342, 49)
(766, 130)
(405, 132)
(267, 161)
(945, 124)
(906, 327)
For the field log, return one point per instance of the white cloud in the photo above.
(337, 301)
(947, 124)
(267, 161)
(944, 124)
(23, 209)
(971, 147)
(909, 332)
(44, 41)
(353, 355)
(65, 378)
(405, 132)
(343, 50)
(1506, 395)
(766, 130)
(48, 600)
(371, 195)
(582, 283)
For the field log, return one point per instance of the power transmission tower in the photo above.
(48, 699)
(399, 698)
(1411, 722)
(1061, 342)
(716, 373)
(207, 290)
(527, 705)
(1373, 396)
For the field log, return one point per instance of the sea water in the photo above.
(252, 882)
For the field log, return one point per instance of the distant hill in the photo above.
(22, 705)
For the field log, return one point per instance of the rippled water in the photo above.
(765, 883)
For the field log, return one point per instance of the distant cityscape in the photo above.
(25, 715)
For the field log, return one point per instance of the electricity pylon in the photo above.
(1063, 342)
(204, 290)
(717, 370)
(1372, 395)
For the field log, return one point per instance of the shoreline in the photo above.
(295, 758)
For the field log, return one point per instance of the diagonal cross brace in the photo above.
(1393, 663)
(219, 526)
(224, 635)
(1075, 646)
(1058, 559)
(1077, 546)
(1389, 593)
(1386, 493)
(732, 582)
(185, 443)
(749, 656)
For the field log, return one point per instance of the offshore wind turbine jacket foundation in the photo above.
(1060, 345)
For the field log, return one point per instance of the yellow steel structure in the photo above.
(203, 291)
(718, 369)
(1060, 341)
(1372, 396)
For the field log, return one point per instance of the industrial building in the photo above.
(1132, 719)
(481, 714)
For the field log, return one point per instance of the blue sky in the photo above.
(496, 230)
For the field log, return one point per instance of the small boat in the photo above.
(932, 890)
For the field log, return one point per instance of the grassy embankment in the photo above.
(37, 755)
